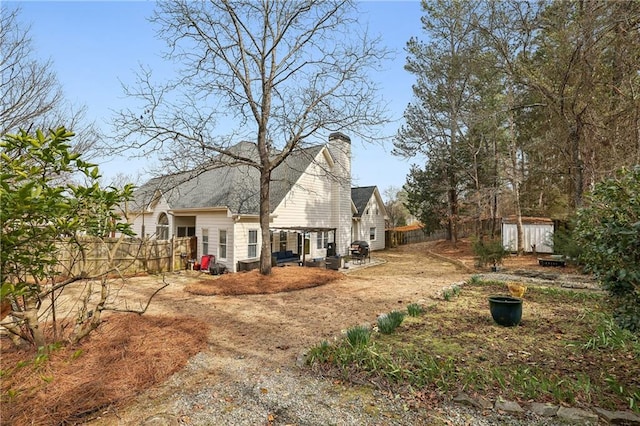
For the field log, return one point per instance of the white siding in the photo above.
(539, 234)
(150, 219)
(361, 228)
(213, 222)
(241, 241)
(319, 200)
(309, 201)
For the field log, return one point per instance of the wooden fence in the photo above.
(127, 256)
(414, 234)
(395, 237)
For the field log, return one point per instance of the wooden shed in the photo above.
(538, 234)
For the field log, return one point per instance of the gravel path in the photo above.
(291, 396)
(578, 282)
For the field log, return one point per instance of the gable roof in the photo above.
(235, 187)
(360, 197)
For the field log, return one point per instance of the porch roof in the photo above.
(302, 228)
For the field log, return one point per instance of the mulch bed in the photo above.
(282, 279)
(70, 384)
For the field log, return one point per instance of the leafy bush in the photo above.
(608, 229)
(44, 209)
(489, 252)
(389, 322)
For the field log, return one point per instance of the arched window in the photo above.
(162, 229)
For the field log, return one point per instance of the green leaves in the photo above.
(609, 232)
(41, 206)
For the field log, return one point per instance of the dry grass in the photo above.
(126, 355)
(563, 352)
(288, 278)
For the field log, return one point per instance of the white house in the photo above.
(368, 216)
(312, 212)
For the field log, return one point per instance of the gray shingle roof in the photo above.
(360, 197)
(235, 187)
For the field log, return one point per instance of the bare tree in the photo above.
(30, 94)
(395, 199)
(29, 89)
(281, 72)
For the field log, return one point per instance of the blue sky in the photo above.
(97, 45)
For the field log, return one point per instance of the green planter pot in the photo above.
(506, 310)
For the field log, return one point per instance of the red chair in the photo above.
(206, 260)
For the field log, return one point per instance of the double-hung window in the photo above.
(372, 234)
(222, 244)
(253, 243)
(322, 239)
(205, 241)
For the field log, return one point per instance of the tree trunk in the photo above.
(519, 229)
(577, 165)
(265, 215)
(30, 316)
(516, 195)
(453, 215)
(495, 189)
(90, 319)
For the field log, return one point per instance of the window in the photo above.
(253, 243)
(162, 229)
(322, 239)
(283, 241)
(372, 234)
(186, 231)
(205, 241)
(222, 244)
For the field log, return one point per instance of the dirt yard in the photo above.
(255, 336)
(278, 327)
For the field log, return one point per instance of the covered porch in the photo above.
(294, 244)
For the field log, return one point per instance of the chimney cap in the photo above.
(339, 135)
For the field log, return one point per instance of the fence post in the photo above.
(172, 252)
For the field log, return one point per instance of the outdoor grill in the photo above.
(360, 251)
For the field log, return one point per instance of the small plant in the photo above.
(564, 243)
(414, 310)
(319, 353)
(489, 252)
(450, 292)
(475, 279)
(447, 294)
(358, 336)
(389, 322)
(11, 394)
